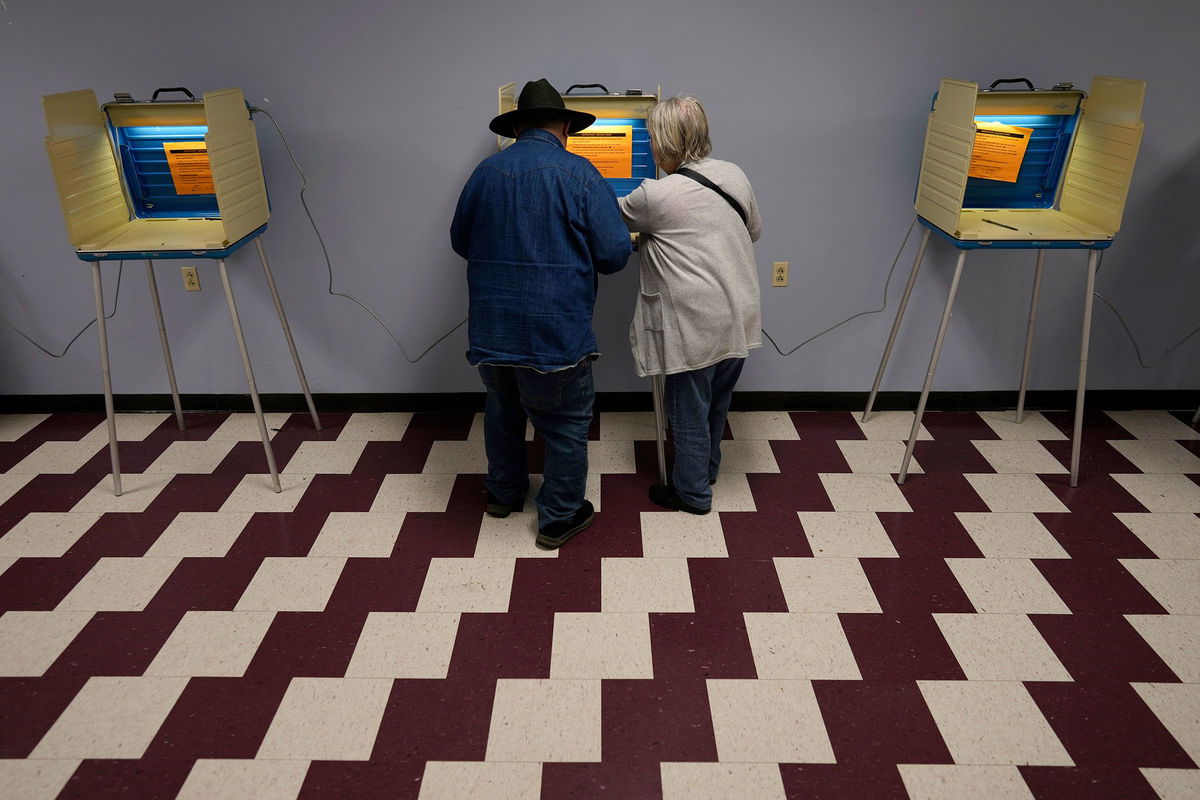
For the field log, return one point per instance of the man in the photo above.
(536, 224)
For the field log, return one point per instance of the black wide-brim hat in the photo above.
(539, 96)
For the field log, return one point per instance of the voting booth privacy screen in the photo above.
(618, 144)
(1030, 167)
(142, 179)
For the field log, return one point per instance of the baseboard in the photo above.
(1107, 399)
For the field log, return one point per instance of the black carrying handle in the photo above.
(599, 86)
(157, 92)
(1025, 81)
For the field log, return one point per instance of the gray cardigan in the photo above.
(699, 301)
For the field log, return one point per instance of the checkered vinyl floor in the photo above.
(982, 631)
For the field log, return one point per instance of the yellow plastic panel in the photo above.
(1097, 178)
(126, 115)
(1046, 103)
(947, 157)
(236, 167)
(149, 235)
(635, 106)
(84, 167)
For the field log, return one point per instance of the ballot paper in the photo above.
(190, 170)
(608, 147)
(998, 151)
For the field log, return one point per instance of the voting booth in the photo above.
(163, 179)
(1038, 169)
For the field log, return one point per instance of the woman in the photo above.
(697, 316)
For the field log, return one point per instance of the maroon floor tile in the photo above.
(120, 534)
(624, 780)
(435, 721)
(1102, 647)
(13, 453)
(764, 534)
(276, 534)
(378, 584)
(300, 425)
(842, 782)
(1092, 783)
(809, 455)
(961, 426)
(48, 493)
(941, 490)
(115, 643)
(445, 426)
(199, 426)
(614, 534)
(429, 535)
(393, 458)
(1096, 457)
(645, 459)
(327, 493)
(550, 585)
(246, 458)
(148, 779)
(1090, 586)
(880, 722)
(1094, 534)
(626, 493)
(204, 584)
(1095, 491)
(892, 649)
(136, 457)
(308, 644)
(28, 707)
(928, 534)
(827, 424)
(949, 456)
(658, 720)
(788, 492)
(916, 586)
(219, 718)
(491, 646)
(362, 780)
(1106, 725)
(694, 646)
(737, 585)
(194, 493)
(1097, 425)
(40, 584)
(65, 427)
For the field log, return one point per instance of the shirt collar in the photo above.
(540, 134)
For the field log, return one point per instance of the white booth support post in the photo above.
(887, 351)
(1033, 305)
(287, 332)
(111, 418)
(1196, 417)
(933, 361)
(166, 347)
(1089, 295)
(241, 341)
(660, 424)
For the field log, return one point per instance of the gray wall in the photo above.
(822, 102)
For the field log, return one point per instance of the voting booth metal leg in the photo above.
(660, 424)
(166, 347)
(241, 341)
(1033, 305)
(1196, 417)
(287, 332)
(1077, 434)
(933, 360)
(110, 415)
(887, 351)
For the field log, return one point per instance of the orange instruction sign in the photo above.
(608, 147)
(190, 170)
(998, 152)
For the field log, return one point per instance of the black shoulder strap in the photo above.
(703, 181)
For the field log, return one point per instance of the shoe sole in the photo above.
(546, 543)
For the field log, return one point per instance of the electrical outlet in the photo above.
(779, 272)
(191, 279)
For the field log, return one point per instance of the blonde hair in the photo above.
(678, 132)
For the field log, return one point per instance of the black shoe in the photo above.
(666, 496)
(556, 534)
(497, 509)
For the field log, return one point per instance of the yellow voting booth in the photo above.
(1034, 169)
(163, 179)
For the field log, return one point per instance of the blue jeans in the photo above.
(559, 404)
(697, 404)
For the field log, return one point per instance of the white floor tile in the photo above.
(119, 584)
(291, 584)
(111, 717)
(1019, 457)
(200, 534)
(1000, 647)
(891, 426)
(762, 425)
(401, 493)
(545, 720)
(404, 645)
(800, 647)
(1034, 427)
(217, 644)
(30, 641)
(1158, 455)
(1176, 640)
(850, 492)
(1154, 425)
(325, 458)
(991, 722)
(44, 534)
(645, 584)
(243, 778)
(957, 782)
(1165, 493)
(601, 646)
(670, 534)
(831, 585)
(457, 780)
(1014, 534)
(1174, 584)
(192, 457)
(1168, 535)
(357, 534)
(764, 721)
(1006, 586)
(327, 719)
(467, 584)
(1015, 493)
(846, 534)
(708, 781)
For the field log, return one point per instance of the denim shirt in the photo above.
(536, 224)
